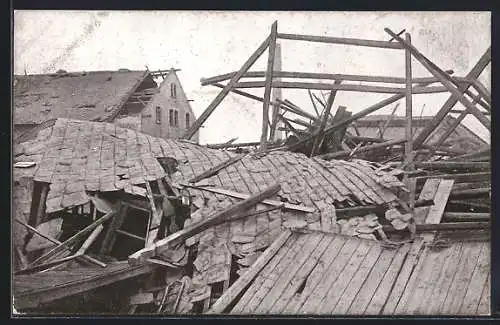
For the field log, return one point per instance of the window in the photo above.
(187, 120)
(171, 117)
(158, 115)
(173, 90)
(176, 118)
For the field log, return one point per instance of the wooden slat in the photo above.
(399, 286)
(242, 283)
(427, 280)
(284, 280)
(427, 193)
(326, 115)
(385, 287)
(301, 275)
(239, 195)
(461, 279)
(440, 200)
(73, 239)
(476, 284)
(372, 282)
(311, 305)
(217, 100)
(214, 170)
(242, 304)
(279, 271)
(318, 274)
(344, 279)
(433, 304)
(484, 304)
(357, 281)
(340, 40)
(195, 228)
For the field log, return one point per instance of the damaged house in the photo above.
(152, 102)
(108, 219)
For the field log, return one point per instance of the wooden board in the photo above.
(484, 304)
(440, 200)
(288, 273)
(372, 282)
(301, 275)
(317, 275)
(427, 193)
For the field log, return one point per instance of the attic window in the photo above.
(176, 118)
(173, 90)
(171, 117)
(187, 120)
(158, 115)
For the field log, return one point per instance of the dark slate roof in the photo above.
(78, 95)
(320, 273)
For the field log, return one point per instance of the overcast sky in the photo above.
(204, 44)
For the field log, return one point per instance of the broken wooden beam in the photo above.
(41, 267)
(443, 78)
(445, 226)
(460, 178)
(471, 193)
(239, 195)
(340, 40)
(343, 213)
(366, 139)
(466, 216)
(409, 109)
(195, 228)
(126, 233)
(452, 100)
(215, 169)
(115, 224)
(452, 165)
(268, 86)
(244, 281)
(339, 154)
(318, 139)
(217, 100)
(73, 239)
(471, 156)
(90, 240)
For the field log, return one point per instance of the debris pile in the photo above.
(111, 220)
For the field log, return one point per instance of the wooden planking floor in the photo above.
(320, 273)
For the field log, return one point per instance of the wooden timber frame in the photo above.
(457, 86)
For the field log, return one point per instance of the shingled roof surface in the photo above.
(320, 273)
(83, 95)
(80, 157)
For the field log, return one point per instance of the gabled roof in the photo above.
(92, 95)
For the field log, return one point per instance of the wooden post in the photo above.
(319, 138)
(268, 86)
(409, 134)
(204, 116)
(443, 78)
(274, 133)
(116, 223)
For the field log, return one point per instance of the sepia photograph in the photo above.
(283, 163)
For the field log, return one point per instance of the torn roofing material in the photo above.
(83, 95)
(320, 273)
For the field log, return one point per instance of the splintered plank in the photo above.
(241, 305)
(279, 272)
(242, 283)
(301, 275)
(318, 274)
(461, 280)
(479, 278)
(384, 289)
(426, 281)
(336, 268)
(284, 280)
(402, 278)
(433, 303)
(345, 299)
(440, 200)
(427, 193)
(484, 304)
(365, 294)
